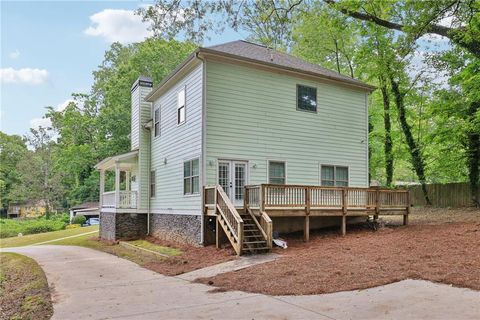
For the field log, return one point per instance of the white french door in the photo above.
(232, 176)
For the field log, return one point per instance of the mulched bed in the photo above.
(192, 258)
(446, 251)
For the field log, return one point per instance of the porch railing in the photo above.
(126, 199)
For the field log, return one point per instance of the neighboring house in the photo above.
(88, 209)
(234, 114)
(29, 209)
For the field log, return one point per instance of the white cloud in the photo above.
(14, 54)
(118, 25)
(40, 122)
(61, 106)
(23, 76)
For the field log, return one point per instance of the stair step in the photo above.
(254, 236)
(254, 242)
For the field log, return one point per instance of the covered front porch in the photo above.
(118, 181)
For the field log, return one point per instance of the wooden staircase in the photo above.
(253, 239)
(243, 230)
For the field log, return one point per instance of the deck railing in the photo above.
(216, 200)
(297, 197)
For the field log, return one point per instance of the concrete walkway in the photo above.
(240, 263)
(89, 284)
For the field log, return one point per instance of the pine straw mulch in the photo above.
(192, 258)
(439, 245)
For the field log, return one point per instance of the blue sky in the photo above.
(49, 50)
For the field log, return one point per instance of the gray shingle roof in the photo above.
(262, 54)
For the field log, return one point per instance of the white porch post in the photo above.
(127, 180)
(117, 185)
(102, 186)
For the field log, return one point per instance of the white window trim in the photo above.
(184, 88)
(334, 173)
(192, 194)
(268, 169)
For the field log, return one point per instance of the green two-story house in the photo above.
(232, 115)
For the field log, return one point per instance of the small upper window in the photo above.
(334, 176)
(306, 98)
(156, 119)
(181, 106)
(276, 172)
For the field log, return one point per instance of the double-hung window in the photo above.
(156, 121)
(306, 98)
(153, 183)
(276, 172)
(334, 176)
(181, 101)
(191, 173)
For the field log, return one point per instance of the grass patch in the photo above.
(91, 241)
(11, 227)
(169, 251)
(41, 237)
(24, 292)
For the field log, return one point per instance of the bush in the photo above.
(79, 219)
(11, 228)
(72, 226)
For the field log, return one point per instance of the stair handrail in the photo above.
(231, 217)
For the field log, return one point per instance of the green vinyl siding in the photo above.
(252, 115)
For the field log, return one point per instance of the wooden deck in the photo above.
(265, 201)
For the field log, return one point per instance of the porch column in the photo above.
(117, 185)
(127, 180)
(102, 186)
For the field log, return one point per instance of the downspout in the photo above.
(204, 158)
(147, 127)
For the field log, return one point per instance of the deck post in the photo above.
(344, 211)
(306, 229)
(377, 204)
(405, 216)
(217, 233)
(307, 200)
(262, 197)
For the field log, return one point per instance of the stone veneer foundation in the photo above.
(175, 227)
(122, 226)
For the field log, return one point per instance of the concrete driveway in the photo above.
(89, 284)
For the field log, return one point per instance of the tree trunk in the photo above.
(417, 159)
(473, 154)
(388, 147)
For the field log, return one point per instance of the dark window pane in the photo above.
(195, 167)
(186, 169)
(341, 174)
(327, 183)
(187, 186)
(306, 98)
(327, 173)
(195, 185)
(276, 172)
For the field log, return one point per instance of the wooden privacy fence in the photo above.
(442, 195)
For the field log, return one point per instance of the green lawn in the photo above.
(47, 236)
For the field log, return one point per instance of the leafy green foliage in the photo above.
(11, 228)
(79, 219)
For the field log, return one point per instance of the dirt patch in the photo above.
(192, 258)
(24, 292)
(438, 245)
